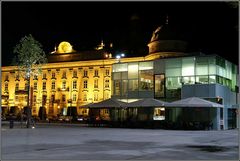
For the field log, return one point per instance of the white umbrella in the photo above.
(193, 102)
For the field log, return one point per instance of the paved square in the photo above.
(86, 143)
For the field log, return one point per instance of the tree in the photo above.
(29, 60)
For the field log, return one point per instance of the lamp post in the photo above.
(119, 56)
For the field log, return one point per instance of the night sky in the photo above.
(209, 27)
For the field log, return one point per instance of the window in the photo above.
(6, 86)
(117, 87)
(52, 98)
(53, 85)
(124, 88)
(95, 83)
(17, 77)
(188, 67)
(44, 75)
(159, 86)
(95, 97)
(26, 86)
(53, 74)
(64, 74)
(44, 85)
(35, 86)
(85, 97)
(173, 83)
(35, 77)
(74, 73)
(17, 86)
(96, 73)
(146, 80)
(133, 85)
(85, 84)
(63, 98)
(106, 95)
(85, 73)
(107, 72)
(74, 84)
(34, 100)
(64, 85)
(107, 83)
(6, 78)
(132, 70)
(74, 97)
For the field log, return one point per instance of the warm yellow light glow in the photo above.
(64, 47)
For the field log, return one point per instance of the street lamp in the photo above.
(119, 56)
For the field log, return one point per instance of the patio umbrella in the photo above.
(147, 102)
(109, 103)
(193, 102)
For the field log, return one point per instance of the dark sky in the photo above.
(210, 27)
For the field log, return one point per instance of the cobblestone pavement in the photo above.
(88, 143)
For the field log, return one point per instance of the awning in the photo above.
(147, 102)
(193, 102)
(109, 103)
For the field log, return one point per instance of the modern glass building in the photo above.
(168, 73)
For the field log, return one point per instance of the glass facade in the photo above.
(200, 70)
(132, 77)
(140, 77)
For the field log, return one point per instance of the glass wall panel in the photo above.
(117, 87)
(188, 66)
(146, 80)
(202, 79)
(145, 65)
(132, 70)
(173, 63)
(173, 72)
(173, 82)
(202, 66)
(124, 87)
(120, 67)
(133, 85)
(188, 80)
(228, 70)
(124, 75)
(159, 86)
(212, 69)
(212, 79)
(116, 76)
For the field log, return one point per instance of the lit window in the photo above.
(95, 83)
(107, 72)
(64, 85)
(63, 98)
(95, 96)
(64, 74)
(53, 85)
(6, 86)
(74, 84)
(107, 83)
(74, 73)
(17, 86)
(44, 75)
(85, 73)
(96, 73)
(44, 85)
(53, 74)
(35, 86)
(34, 100)
(26, 85)
(85, 97)
(74, 97)
(85, 84)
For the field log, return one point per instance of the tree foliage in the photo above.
(30, 56)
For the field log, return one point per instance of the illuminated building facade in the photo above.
(168, 73)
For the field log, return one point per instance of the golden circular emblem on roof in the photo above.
(64, 47)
